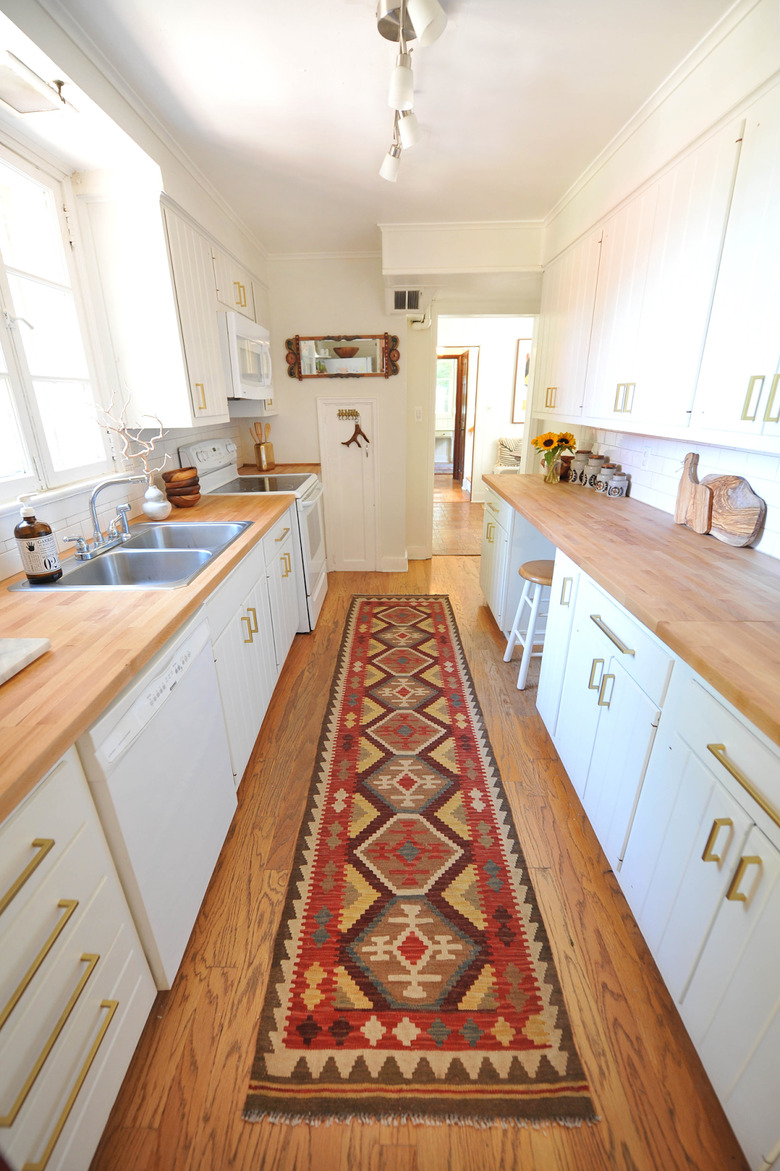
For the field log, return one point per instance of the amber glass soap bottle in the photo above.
(38, 547)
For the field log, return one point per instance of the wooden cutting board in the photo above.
(737, 513)
(694, 500)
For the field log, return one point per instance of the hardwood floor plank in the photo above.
(180, 1106)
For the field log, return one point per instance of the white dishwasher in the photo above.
(158, 765)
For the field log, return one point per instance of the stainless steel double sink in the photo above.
(156, 556)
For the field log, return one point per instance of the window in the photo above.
(49, 430)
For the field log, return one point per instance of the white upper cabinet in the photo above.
(659, 264)
(738, 384)
(568, 292)
(235, 288)
(193, 280)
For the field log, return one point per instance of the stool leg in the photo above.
(515, 631)
(529, 638)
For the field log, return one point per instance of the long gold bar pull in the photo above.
(90, 961)
(621, 646)
(719, 752)
(69, 906)
(717, 825)
(734, 893)
(112, 1006)
(281, 538)
(42, 845)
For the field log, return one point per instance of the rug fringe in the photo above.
(395, 1119)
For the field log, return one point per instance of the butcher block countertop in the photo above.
(716, 606)
(100, 640)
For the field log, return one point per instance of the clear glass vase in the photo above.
(552, 472)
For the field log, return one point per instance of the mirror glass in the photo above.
(342, 356)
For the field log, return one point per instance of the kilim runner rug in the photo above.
(412, 977)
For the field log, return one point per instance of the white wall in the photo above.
(327, 296)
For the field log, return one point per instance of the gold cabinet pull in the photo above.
(253, 621)
(620, 391)
(40, 1164)
(90, 961)
(42, 845)
(628, 398)
(734, 893)
(566, 597)
(489, 533)
(717, 825)
(199, 386)
(596, 663)
(602, 702)
(287, 564)
(69, 906)
(746, 417)
(621, 646)
(550, 396)
(768, 416)
(248, 628)
(719, 752)
(492, 506)
(237, 298)
(281, 538)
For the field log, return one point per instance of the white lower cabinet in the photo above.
(75, 987)
(508, 540)
(560, 618)
(702, 876)
(283, 585)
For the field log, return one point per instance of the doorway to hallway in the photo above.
(457, 523)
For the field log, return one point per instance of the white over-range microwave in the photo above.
(246, 351)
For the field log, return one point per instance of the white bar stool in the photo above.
(538, 579)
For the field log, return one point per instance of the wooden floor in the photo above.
(180, 1106)
(457, 523)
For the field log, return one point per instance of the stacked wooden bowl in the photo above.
(182, 487)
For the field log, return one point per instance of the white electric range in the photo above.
(217, 463)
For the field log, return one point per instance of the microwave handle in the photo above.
(266, 359)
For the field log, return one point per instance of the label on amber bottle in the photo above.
(39, 554)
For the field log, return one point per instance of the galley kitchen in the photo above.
(389, 656)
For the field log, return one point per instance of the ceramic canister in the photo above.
(618, 485)
(578, 466)
(592, 469)
(604, 477)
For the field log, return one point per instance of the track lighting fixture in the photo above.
(402, 20)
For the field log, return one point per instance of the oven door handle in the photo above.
(309, 501)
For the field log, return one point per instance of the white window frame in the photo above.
(44, 477)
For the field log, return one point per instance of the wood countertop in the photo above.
(100, 640)
(716, 606)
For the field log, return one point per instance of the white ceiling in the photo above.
(282, 104)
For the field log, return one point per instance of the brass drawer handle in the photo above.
(734, 893)
(287, 564)
(621, 646)
(628, 400)
(489, 532)
(708, 855)
(69, 906)
(112, 1006)
(596, 663)
(43, 845)
(566, 597)
(602, 702)
(248, 628)
(492, 506)
(745, 416)
(199, 386)
(281, 538)
(253, 621)
(618, 407)
(90, 961)
(719, 752)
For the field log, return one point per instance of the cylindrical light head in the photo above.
(401, 95)
(429, 20)
(388, 19)
(408, 129)
(391, 164)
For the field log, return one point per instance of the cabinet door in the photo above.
(568, 293)
(563, 596)
(283, 596)
(493, 560)
(612, 365)
(624, 737)
(738, 382)
(194, 284)
(690, 217)
(578, 715)
(234, 285)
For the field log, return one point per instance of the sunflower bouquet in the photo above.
(552, 444)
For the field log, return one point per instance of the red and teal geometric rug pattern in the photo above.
(412, 977)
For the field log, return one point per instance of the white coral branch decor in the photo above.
(133, 446)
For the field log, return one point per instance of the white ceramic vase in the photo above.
(155, 505)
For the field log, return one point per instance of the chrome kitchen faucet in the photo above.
(118, 529)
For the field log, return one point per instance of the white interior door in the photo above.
(349, 477)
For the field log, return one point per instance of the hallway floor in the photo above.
(457, 523)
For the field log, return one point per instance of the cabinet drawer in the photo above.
(498, 510)
(229, 595)
(706, 724)
(276, 539)
(643, 657)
